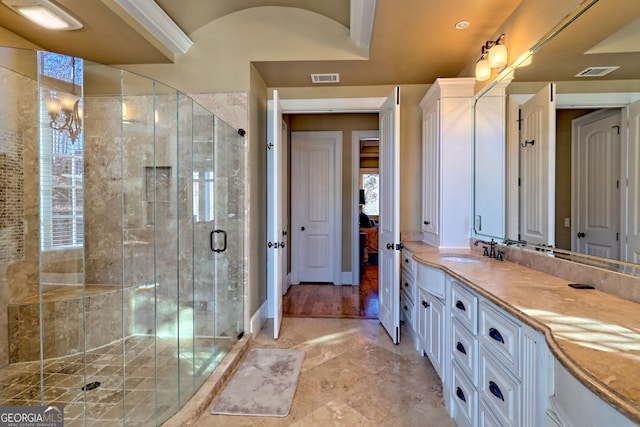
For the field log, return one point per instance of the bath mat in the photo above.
(263, 385)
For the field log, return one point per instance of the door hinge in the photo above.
(618, 183)
(519, 119)
(518, 182)
(617, 237)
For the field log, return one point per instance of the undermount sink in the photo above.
(459, 258)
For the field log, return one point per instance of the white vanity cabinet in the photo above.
(408, 291)
(430, 309)
(447, 150)
(498, 364)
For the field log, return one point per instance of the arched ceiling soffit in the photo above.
(203, 12)
(233, 41)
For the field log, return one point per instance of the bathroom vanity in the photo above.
(517, 347)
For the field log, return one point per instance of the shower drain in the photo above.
(91, 386)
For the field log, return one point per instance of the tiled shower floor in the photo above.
(124, 393)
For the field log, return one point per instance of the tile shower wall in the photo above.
(19, 224)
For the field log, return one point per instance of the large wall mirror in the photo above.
(562, 172)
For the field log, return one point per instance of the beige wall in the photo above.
(256, 194)
(346, 123)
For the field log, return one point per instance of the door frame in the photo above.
(337, 105)
(299, 137)
(356, 137)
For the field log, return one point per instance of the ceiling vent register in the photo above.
(596, 71)
(325, 78)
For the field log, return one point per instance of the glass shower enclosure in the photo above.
(122, 222)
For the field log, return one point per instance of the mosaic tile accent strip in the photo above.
(11, 196)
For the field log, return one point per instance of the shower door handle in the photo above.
(224, 233)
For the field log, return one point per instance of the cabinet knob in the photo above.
(426, 222)
(460, 394)
(406, 284)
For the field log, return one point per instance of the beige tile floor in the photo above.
(352, 376)
(129, 372)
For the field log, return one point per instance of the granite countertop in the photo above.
(595, 335)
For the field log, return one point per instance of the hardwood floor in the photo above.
(327, 300)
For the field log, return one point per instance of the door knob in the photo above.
(302, 228)
(581, 234)
(389, 245)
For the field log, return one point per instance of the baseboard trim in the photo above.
(259, 318)
(347, 278)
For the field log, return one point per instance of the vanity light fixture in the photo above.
(44, 13)
(494, 55)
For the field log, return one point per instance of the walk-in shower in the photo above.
(122, 219)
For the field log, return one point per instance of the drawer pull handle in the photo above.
(461, 348)
(406, 284)
(425, 304)
(496, 335)
(460, 394)
(406, 308)
(406, 260)
(460, 306)
(495, 390)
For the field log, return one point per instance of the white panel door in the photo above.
(389, 227)
(316, 206)
(537, 168)
(274, 212)
(633, 162)
(596, 184)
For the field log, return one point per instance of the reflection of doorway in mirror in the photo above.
(598, 181)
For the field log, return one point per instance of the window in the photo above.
(370, 183)
(61, 160)
(203, 206)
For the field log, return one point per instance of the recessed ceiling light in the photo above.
(461, 25)
(44, 13)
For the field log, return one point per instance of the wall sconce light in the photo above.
(494, 55)
(65, 110)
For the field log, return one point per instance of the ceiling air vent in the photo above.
(596, 71)
(325, 78)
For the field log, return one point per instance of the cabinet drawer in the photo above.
(465, 350)
(431, 279)
(406, 305)
(500, 335)
(407, 284)
(408, 262)
(499, 390)
(486, 418)
(464, 306)
(464, 398)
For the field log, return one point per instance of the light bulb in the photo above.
(498, 56)
(67, 100)
(53, 105)
(483, 70)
